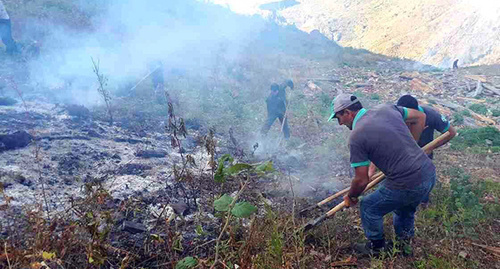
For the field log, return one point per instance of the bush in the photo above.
(460, 208)
(479, 139)
(458, 118)
(375, 96)
(479, 108)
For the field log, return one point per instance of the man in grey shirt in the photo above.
(6, 30)
(380, 135)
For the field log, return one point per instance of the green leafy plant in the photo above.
(186, 263)
(229, 206)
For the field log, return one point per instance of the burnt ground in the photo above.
(73, 159)
(122, 196)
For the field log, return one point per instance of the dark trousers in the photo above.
(6, 35)
(269, 122)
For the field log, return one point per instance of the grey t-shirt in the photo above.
(433, 121)
(381, 136)
(3, 12)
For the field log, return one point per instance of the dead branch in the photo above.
(491, 88)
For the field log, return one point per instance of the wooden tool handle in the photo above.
(437, 140)
(344, 191)
(330, 198)
(370, 185)
(335, 209)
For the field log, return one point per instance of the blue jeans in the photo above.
(403, 203)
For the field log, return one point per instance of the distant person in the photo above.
(6, 30)
(455, 64)
(433, 121)
(276, 107)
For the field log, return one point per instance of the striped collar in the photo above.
(358, 116)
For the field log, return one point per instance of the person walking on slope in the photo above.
(380, 135)
(6, 30)
(276, 108)
(433, 121)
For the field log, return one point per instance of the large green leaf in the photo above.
(222, 204)
(265, 167)
(243, 210)
(186, 263)
(235, 169)
(219, 175)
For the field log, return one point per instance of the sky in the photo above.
(248, 7)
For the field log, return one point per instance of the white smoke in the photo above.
(131, 35)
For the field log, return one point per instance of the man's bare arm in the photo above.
(452, 132)
(359, 182)
(371, 170)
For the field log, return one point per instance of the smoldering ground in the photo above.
(217, 65)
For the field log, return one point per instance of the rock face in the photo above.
(434, 32)
(18, 139)
(430, 31)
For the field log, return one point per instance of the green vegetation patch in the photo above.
(375, 96)
(461, 208)
(479, 108)
(458, 118)
(479, 140)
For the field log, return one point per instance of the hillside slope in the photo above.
(433, 32)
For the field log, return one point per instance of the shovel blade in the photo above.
(307, 209)
(313, 223)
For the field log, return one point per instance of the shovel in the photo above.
(330, 198)
(315, 222)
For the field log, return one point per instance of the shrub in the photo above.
(477, 138)
(479, 108)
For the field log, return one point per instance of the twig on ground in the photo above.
(7, 255)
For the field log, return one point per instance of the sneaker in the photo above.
(367, 249)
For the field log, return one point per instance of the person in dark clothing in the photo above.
(455, 64)
(6, 30)
(433, 121)
(276, 108)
